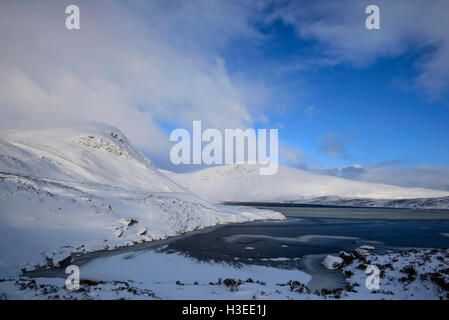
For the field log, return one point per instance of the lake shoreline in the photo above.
(347, 212)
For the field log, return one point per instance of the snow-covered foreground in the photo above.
(411, 274)
(243, 183)
(87, 188)
(151, 275)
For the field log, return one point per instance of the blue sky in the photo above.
(363, 108)
(369, 105)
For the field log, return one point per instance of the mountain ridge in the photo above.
(242, 183)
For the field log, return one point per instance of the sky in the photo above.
(370, 105)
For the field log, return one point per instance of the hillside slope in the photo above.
(243, 183)
(87, 188)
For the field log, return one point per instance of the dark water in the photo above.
(297, 237)
(322, 211)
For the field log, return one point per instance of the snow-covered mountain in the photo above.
(243, 183)
(97, 154)
(87, 188)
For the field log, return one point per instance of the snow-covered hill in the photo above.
(97, 154)
(87, 188)
(243, 183)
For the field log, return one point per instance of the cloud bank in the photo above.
(425, 176)
(133, 65)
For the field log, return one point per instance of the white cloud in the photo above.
(433, 177)
(132, 65)
(333, 145)
(310, 111)
(293, 156)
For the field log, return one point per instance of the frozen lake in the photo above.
(300, 242)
